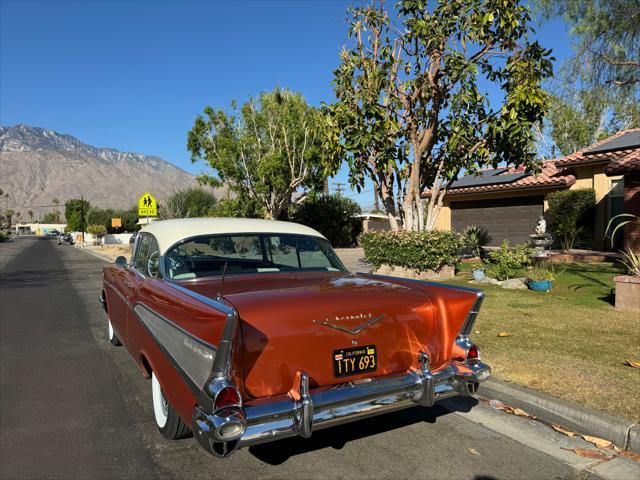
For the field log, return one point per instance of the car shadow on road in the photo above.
(277, 453)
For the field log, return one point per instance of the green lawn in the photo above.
(570, 342)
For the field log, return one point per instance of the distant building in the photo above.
(509, 201)
(38, 229)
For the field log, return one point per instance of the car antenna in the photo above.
(224, 273)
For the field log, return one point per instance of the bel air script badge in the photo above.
(370, 320)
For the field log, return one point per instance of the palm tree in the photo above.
(30, 213)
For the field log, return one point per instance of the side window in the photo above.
(142, 254)
(153, 261)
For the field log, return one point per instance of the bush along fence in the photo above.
(421, 255)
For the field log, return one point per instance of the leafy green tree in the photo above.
(606, 39)
(75, 211)
(189, 202)
(410, 113)
(571, 216)
(240, 206)
(8, 216)
(52, 217)
(103, 216)
(130, 219)
(265, 151)
(98, 230)
(30, 213)
(332, 215)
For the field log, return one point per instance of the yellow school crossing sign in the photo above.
(147, 206)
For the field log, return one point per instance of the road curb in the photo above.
(625, 434)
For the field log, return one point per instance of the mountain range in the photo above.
(38, 165)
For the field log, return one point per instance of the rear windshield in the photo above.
(257, 253)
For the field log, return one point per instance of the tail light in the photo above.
(473, 353)
(227, 397)
(464, 350)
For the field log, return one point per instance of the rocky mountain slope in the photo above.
(38, 165)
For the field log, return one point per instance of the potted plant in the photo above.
(540, 277)
(627, 286)
(477, 271)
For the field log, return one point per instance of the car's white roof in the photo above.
(169, 232)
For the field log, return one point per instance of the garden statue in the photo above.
(540, 240)
(541, 227)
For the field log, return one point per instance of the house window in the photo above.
(616, 207)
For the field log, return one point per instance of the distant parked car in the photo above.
(65, 238)
(253, 330)
(52, 233)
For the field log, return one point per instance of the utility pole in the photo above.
(82, 217)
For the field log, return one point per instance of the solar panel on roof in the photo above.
(492, 172)
(623, 142)
(473, 181)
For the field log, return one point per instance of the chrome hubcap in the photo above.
(164, 405)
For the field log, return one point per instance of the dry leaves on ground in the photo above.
(504, 334)
(498, 405)
(595, 454)
(632, 364)
(561, 429)
(474, 451)
(598, 442)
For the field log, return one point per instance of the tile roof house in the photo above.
(509, 201)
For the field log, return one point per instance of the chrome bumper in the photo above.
(282, 416)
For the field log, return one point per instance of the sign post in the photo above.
(147, 206)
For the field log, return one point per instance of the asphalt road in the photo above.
(73, 406)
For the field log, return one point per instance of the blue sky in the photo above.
(133, 75)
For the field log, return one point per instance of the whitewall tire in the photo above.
(160, 404)
(167, 420)
(113, 338)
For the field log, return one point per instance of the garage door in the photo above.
(513, 219)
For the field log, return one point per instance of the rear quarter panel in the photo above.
(189, 314)
(451, 306)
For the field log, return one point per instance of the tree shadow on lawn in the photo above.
(598, 287)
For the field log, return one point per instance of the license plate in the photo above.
(352, 361)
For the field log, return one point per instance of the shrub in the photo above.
(506, 262)
(97, 230)
(333, 216)
(189, 202)
(571, 216)
(414, 250)
(474, 238)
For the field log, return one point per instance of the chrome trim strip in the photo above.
(204, 349)
(422, 282)
(467, 326)
(356, 330)
(221, 307)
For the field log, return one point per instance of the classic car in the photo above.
(253, 330)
